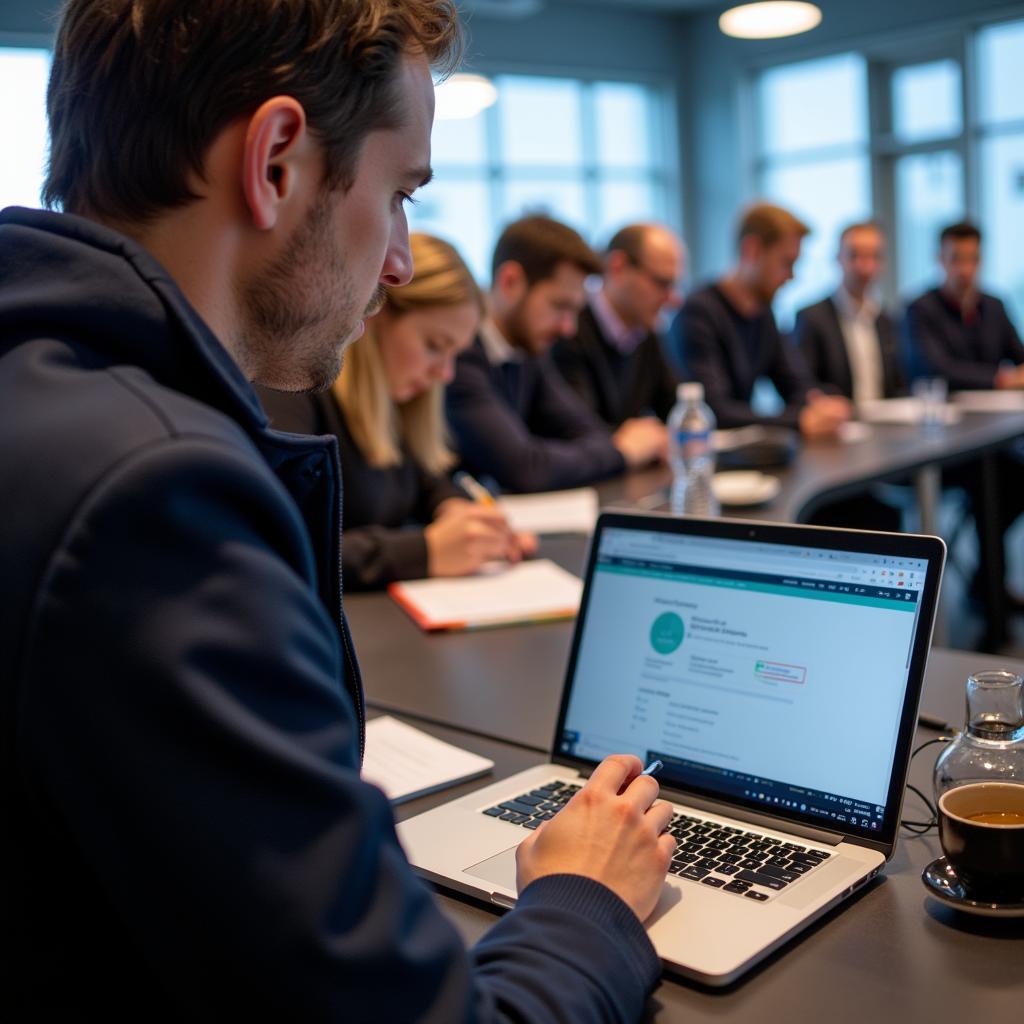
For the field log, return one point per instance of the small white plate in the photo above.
(745, 487)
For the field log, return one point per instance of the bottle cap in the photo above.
(692, 391)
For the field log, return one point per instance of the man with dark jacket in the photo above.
(187, 835)
(850, 343)
(616, 362)
(958, 332)
(725, 336)
(515, 420)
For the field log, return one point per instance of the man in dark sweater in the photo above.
(725, 335)
(616, 362)
(958, 332)
(515, 420)
(187, 833)
(850, 343)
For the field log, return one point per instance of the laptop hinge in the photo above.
(818, 835)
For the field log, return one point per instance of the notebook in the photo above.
(500, 595)
(406, 762)
(776, 672)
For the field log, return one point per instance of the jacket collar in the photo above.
(113, 289)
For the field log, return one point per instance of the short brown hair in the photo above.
(139, 89)
(769, 223)
(958, 232)
(539, 244)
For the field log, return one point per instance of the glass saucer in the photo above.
(941, 882)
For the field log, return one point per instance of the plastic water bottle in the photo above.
(690, 452)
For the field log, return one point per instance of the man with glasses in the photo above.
(616, 361)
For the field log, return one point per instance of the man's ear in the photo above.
(510, 281)
(275, 159)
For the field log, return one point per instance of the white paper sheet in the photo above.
(572, 511)
(990, 401)
(406, 762)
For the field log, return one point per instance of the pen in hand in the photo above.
(473, 488)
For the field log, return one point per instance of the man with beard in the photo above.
(516, 421)
(725, 335)
(187, 833)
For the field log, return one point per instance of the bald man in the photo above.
(616, 362)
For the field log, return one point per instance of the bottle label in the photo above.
(693, 444)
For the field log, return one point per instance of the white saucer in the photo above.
(745, 487)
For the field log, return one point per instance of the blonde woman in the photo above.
(402, 516)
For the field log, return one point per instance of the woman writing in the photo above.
(402, 516)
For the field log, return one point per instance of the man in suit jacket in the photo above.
(958, 332)
(515, 419)
(850, 343)
(725, 335)
(616, 362)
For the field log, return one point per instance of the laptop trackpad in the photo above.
(499, 869)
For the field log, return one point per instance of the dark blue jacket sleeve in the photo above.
(563, 445)
(188, 722)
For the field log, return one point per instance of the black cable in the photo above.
(921, 828)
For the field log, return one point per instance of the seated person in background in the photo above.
(849, 342)
(616, 363)
(957, 332)
(387, 411)
(515, 419)
(725, 335)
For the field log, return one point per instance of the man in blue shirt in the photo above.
(187, 835)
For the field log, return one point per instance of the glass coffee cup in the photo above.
(981, 828)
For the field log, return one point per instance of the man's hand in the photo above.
(612, 830)
(1009, 377)
(823, 415)
(642, 441)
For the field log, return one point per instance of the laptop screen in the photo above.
(768, 674)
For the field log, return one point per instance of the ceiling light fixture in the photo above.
(461, 96)
(770, 20)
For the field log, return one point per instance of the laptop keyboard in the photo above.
(732, 859)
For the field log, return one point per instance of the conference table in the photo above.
(892, 953)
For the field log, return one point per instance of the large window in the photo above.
(23, 74)
(901, 133)
(813, 145)
(594, 154)
(1000, 61)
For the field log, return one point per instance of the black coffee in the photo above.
(997, 818)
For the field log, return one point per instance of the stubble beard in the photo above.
(299, 311)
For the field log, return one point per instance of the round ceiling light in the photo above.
(770, 20)
(462, 96)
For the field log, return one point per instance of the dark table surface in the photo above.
(829, 470)
(890, 954)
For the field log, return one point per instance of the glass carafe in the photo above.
(991, 746)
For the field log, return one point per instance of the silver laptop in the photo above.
(776, 672)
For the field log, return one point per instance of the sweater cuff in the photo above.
(408, 554)
(605, 911)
